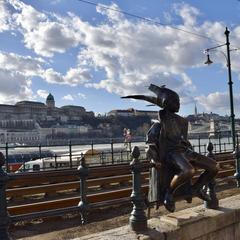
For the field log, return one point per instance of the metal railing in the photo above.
(113, 152)
(66, 156)
(137, 220)
(6, 219)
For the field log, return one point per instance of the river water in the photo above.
(199, 145)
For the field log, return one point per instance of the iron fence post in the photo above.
(55, 160)
(70, 153)
(219, 141)
(215, 148)
(102, 158)
(214, 203)
(121, 156)
(6, 161)
(83, 204)
(24, 165)
(237, 156)
(112, 151)
(4, 217)
(92, 146)
(138, 219)
(40, 151)
(199, 144)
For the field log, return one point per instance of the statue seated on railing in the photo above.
(171, 154)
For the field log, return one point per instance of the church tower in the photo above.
(50, 102)
(195, 111)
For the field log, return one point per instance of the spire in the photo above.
(195, 111)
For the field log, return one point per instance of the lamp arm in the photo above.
(209, 49)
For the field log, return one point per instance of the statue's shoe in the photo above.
(202, 195)
(169, 202)
(188, 198)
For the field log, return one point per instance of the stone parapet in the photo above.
(196, 223)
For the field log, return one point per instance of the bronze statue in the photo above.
(171, 153)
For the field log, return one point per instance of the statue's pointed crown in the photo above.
(163, 95)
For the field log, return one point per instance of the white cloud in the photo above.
(49, 38)
(113, 15)
(5, 17)
(77, 76)
(68, 97)
(14, 87)
(44, 33)
(74, 76)
(26, 16)
(218, 102)
(135, 54)
(131, 54)
(30, 67)
(27, 65)
(42, 93)
(188, 13)
(82, 95)
(53, 77)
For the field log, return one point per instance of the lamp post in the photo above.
(230, 83)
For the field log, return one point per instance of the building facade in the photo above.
(131, 112)
(42, 112)
(29, 121)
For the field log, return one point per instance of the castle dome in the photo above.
(50, 97)
(50, 101)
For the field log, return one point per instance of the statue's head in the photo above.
(172, 104)
(165, 98)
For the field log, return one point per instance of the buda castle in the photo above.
(28, 121)
(39, 111)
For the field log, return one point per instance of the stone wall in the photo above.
(195, 223)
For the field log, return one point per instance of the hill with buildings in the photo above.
(29, 122)
(32, 122)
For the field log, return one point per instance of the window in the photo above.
(36, 167)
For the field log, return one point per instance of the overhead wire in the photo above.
(149, 20)
(153, 21)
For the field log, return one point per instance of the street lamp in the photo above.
(230, 83)
(209, 61)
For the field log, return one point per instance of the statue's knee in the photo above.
(215, 171)
(192, 172)
(188, 173)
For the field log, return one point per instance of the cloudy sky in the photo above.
(89, 55)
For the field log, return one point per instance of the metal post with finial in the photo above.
(237, 156)
(213, 203)
(138, 219)
(4, 217)
(83, 204)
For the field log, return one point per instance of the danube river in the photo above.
(200, 145)
(220, 145)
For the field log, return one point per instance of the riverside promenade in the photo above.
(196, 223)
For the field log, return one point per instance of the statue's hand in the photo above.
(186, 143)
(155, 164)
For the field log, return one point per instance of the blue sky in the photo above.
(88, 55)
